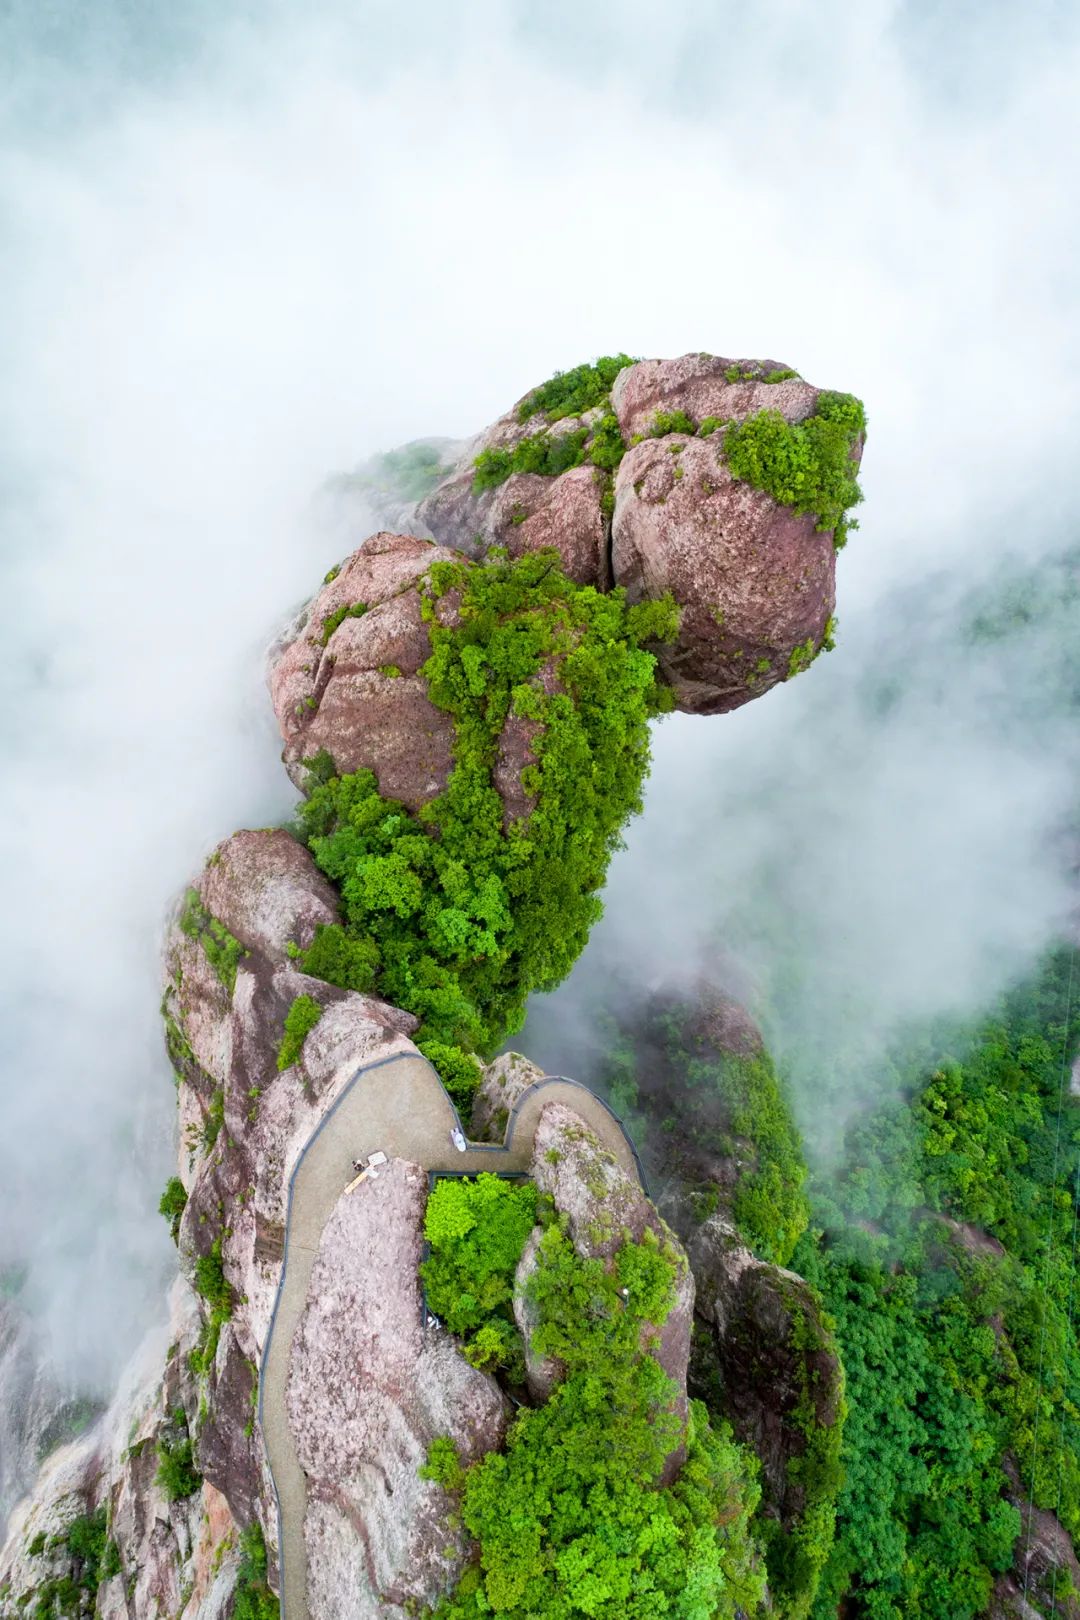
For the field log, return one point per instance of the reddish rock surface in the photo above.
(354, 690)
(753, 578)
(698, 384)
(527, 512)
(368, 1391)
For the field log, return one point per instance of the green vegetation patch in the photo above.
(177, 1475)
(959, 1350)
(477, 1229)
(172, 1205)
(221, 950)
(94, 1558)
(806, 465)
(453, 914)
(338, 617)
(300, 1020)
(570, 393)
(569, 1519)
(254, 1599)
(211, 1282)
(459, 1071)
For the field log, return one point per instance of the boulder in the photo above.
(368, 1391)
(701, 385)
(778, 1362)
(604, 1208)
(345, 679)
(527, 512)
(755, 580)
(502, 1083)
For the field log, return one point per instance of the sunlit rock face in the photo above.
(346, 678)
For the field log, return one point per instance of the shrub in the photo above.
(177, 1475)
(806, 465)
(459, 1071)
(300, 1020)
(569, 393)
(477, 1229)
(222, 951)
(94, 1559)
(172, 1205)
(341, 958)
(254, 1599)
(338, 617)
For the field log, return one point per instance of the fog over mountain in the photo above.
(245, 247)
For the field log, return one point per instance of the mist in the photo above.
(245, 247)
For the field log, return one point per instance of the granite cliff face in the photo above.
(235, 1459)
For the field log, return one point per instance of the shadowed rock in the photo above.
(779, 1366)
(527, 512)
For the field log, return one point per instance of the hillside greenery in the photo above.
(946, 1252)
(569, 1517)
(457, 914)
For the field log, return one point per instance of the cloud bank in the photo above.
(247, 246)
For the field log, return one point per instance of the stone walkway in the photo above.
(400, 1106)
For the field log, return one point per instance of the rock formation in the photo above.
(603, 1207)
(779, 1368)
(754, 577)
(168, 1506)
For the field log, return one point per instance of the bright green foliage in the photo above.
(801, 658)
(606, 447)
(177, 1475)
(341, 958)
(210, 1280)
(94, 1558)
(568, 1519)
(467, 923)
(254, 1599)
(338, 617)
(806, 465)
(548, 454)
(477, 1230)
(569, 393)
(665, 422)
(708, 426)
(222, 951)
(172, 1205)
(459, 1071)
(781, 374)
(955, 1353)
(300, 1020)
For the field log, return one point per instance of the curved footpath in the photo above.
(399, 1105)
